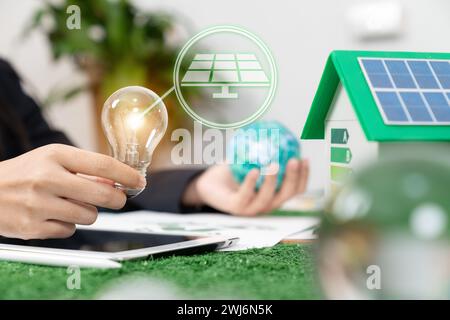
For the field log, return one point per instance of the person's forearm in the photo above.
(191, 196)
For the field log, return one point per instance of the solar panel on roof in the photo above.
(410, 91)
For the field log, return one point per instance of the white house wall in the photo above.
(341, 108)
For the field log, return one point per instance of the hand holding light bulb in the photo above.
(134, 120)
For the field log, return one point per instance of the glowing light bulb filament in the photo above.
(132, 154)
(134, 121)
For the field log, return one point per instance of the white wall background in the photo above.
(300, 34)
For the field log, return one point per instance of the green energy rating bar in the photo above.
(341, 155)
(340, 173)
(339, 136)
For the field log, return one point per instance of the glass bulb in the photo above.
(134, 120)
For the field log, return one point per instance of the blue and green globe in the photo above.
(260, 144)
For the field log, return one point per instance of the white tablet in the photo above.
(105, 249)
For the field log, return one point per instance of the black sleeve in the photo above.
(164, 191)
(38, 131)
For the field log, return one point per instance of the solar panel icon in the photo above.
(225, 70)
(410, 91)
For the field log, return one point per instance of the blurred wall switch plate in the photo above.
(376, 20)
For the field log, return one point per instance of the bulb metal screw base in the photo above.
(129, 192)
(133, 192)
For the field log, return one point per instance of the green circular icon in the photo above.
(272, 85)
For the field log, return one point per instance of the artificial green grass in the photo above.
(282, 272)
(285, 271)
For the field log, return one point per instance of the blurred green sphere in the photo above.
(387, 233)
(260, 144)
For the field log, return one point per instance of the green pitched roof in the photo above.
(343, 67)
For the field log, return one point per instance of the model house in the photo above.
(374, 104)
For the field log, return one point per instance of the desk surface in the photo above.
(285, 271)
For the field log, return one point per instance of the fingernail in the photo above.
(272, 169)
(294, 163)
(142, 182)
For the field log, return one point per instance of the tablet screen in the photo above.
(102, 241)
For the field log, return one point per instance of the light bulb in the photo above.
(134, 120)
